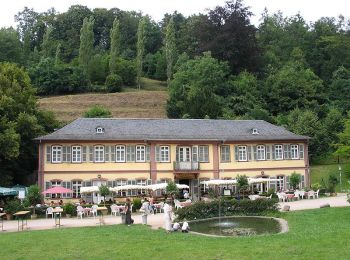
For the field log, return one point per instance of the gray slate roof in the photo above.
(170, 129)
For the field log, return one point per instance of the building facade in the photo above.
(114, 152)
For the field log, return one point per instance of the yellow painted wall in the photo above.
(88, 176)
(270, 173)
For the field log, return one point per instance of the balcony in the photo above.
(186, 166)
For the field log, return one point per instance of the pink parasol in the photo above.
(57, 190)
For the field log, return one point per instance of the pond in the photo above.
(236, 226)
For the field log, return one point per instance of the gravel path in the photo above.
(157, 221)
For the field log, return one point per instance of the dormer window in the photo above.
(255, 131)
(100, 130)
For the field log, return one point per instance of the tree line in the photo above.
(217, 64)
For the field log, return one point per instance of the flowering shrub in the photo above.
(201, 209)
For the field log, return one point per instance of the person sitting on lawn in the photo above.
(185, 227)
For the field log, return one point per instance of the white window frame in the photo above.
(164, 154)
(76, 154)
(56, 184)
(142, 182)
(260, 153)
(120, 153)
(225, 153)
(203, 153)
(56, 154)
(99, 153)
(242, 153)
(294, 150)
(140, 153)
(279, 152)
(76, 185)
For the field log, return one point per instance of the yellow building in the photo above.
(91, 152)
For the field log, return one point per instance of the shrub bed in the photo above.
(202, 210)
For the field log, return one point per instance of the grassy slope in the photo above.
(146, 103)
(313, 234)
(323, 171)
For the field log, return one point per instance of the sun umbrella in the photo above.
(57, 190)
(7, 192)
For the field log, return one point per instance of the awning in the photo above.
(57, 190)
(7, 192)
(129, 187)
(219, 182)
(162, 186)
(261, 180)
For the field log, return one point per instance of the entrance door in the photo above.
(184, 154)
(96, 197)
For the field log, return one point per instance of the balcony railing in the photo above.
(186, 166)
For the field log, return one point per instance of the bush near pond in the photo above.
(202, 210)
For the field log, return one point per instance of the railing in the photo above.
(186, 166)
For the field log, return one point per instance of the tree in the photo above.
(171, 189)
(340, 89)
(115, 47)
(195, 87)
(20, 123)
(294, 180)
(343, 146)
(114, 83)
(47, 44)
(104, 191)
(170, 49)
(33, 196)
(10, 46)
(86, 43)
(140, 49)
(97, 111)
(243, 184)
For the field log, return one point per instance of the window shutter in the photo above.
(68, 157)
(287, 182)
(107, 153)
(286, 152)
(178, 153)
(84, 148)
(273, 152)
(194, 154)
(149, 182)
(157, 153)
(69, 186)
(148, 153)
(47, 186)
(268, 152)
(206, 153)
(112, 155)
(301, 151)
(249, 152)
(91, 153)
(255, 154)
(48, 153)
(236, 153)
(64, 153)
(109, 183)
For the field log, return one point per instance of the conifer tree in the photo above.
(115, 47)
(57, 55)
(140, 49)
(45, 46)
(86, 43)
(170, 48)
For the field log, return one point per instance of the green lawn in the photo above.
(323, 171)
(314, 234)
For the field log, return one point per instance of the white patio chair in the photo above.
(114, 210)
(310, 194)
(177, 204)
(302, 194)
(281, 197)
(269, 197)
(296, 194)
(316, 194)
(94, 210)
(80, 212)
(49, 212)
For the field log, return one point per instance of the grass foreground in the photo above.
(313, 234)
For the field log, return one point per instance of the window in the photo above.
(55, 184)
(142, 182)
(76, 154)
(120, 153)
(140, 153)
(56, 154)
(76, 185)
(164, 154)
(99, 153)
(255, 131)
(121, 182)
(242, 153)
(278, 152)
(260, 152)
(294, 151)
(225, 153)
(100, 130)
(203, 153)
(280, 183)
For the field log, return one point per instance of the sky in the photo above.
(311, 10)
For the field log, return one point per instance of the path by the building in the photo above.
(157, 221)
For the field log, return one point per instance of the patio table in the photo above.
(290, 196)
(57, 216)
(2, 220)
(21, 216)
(87, 211)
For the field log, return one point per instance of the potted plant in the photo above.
(243, 185)
(332, 183)
(294, 180)
(12, 206)
(33, 198)
(69, 209)
(172, 190)
(104, 191)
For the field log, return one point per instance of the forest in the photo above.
(217, 65)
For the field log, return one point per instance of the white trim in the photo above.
(261, 150)
(78, 153)
(99, 152)
(120, 153)
(242, 153)
(56, 154)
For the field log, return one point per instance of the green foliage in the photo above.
(136, 203)
(194, 89)
(294, 180)
(114, 83)
(34, 195)
(104, 191)
(172, 189)
(69, 208)
(140, 47)
(12, 206)
(127, 71)
(316, 186)
(170, 48)
(242, 180)
(97, 111)
(332, 183)
(343, 147)
(86, 43)
(115, 46)
(202, 210)
(98, 69)
(10, 46)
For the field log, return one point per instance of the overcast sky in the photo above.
(311, 10)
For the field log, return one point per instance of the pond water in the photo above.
(236, 226)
